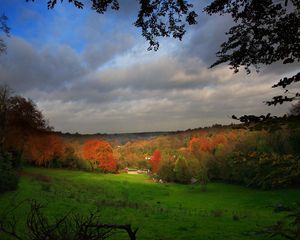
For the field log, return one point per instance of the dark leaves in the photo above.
(265, 32)
(266, 122)
(288, 60)
(5, 29)
(100, 6)
(287, 81)
(284, 98)
(164, 18)
(280, 100)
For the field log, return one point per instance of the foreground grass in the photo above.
(160, 211)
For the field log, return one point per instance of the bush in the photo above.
(166, 170)
(294, 141)
(9, 178)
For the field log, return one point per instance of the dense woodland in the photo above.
(255, 157)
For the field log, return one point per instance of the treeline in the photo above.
(261, 159)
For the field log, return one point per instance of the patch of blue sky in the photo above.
(39, 26)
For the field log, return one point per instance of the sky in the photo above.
(92, 73)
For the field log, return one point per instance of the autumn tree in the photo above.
(155, 160)
(44, 148)
(219, 138)
(22, 119)
(99, 153)
(133, 154)
(19, 119)
(198, 145)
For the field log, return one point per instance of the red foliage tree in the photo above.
(155, 160)
(100, 154)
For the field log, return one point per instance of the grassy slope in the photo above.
(161, 211)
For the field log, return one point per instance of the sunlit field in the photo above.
(160, 211)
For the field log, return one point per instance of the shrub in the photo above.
(9, 178)
(294, 141)
(166, 170)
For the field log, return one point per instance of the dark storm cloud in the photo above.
(206, 38)
(99, 53)
(104, 40)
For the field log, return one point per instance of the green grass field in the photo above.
(160, 211)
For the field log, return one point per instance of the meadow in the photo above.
(160, 211)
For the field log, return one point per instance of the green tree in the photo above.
(4, 105)
(166, 169)
(9, 178)
(182, 172)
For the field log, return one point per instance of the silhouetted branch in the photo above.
(126, 227)
(69, 227)
(266, 122)
(288, 228)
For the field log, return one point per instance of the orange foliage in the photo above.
(100, 153)
(43, 148)
(219, 139)
(155, 160)
(23, 120)
(203, 144)
(232, 135)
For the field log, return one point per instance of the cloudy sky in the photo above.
(92, 73)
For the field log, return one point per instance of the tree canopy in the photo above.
(19, 117)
